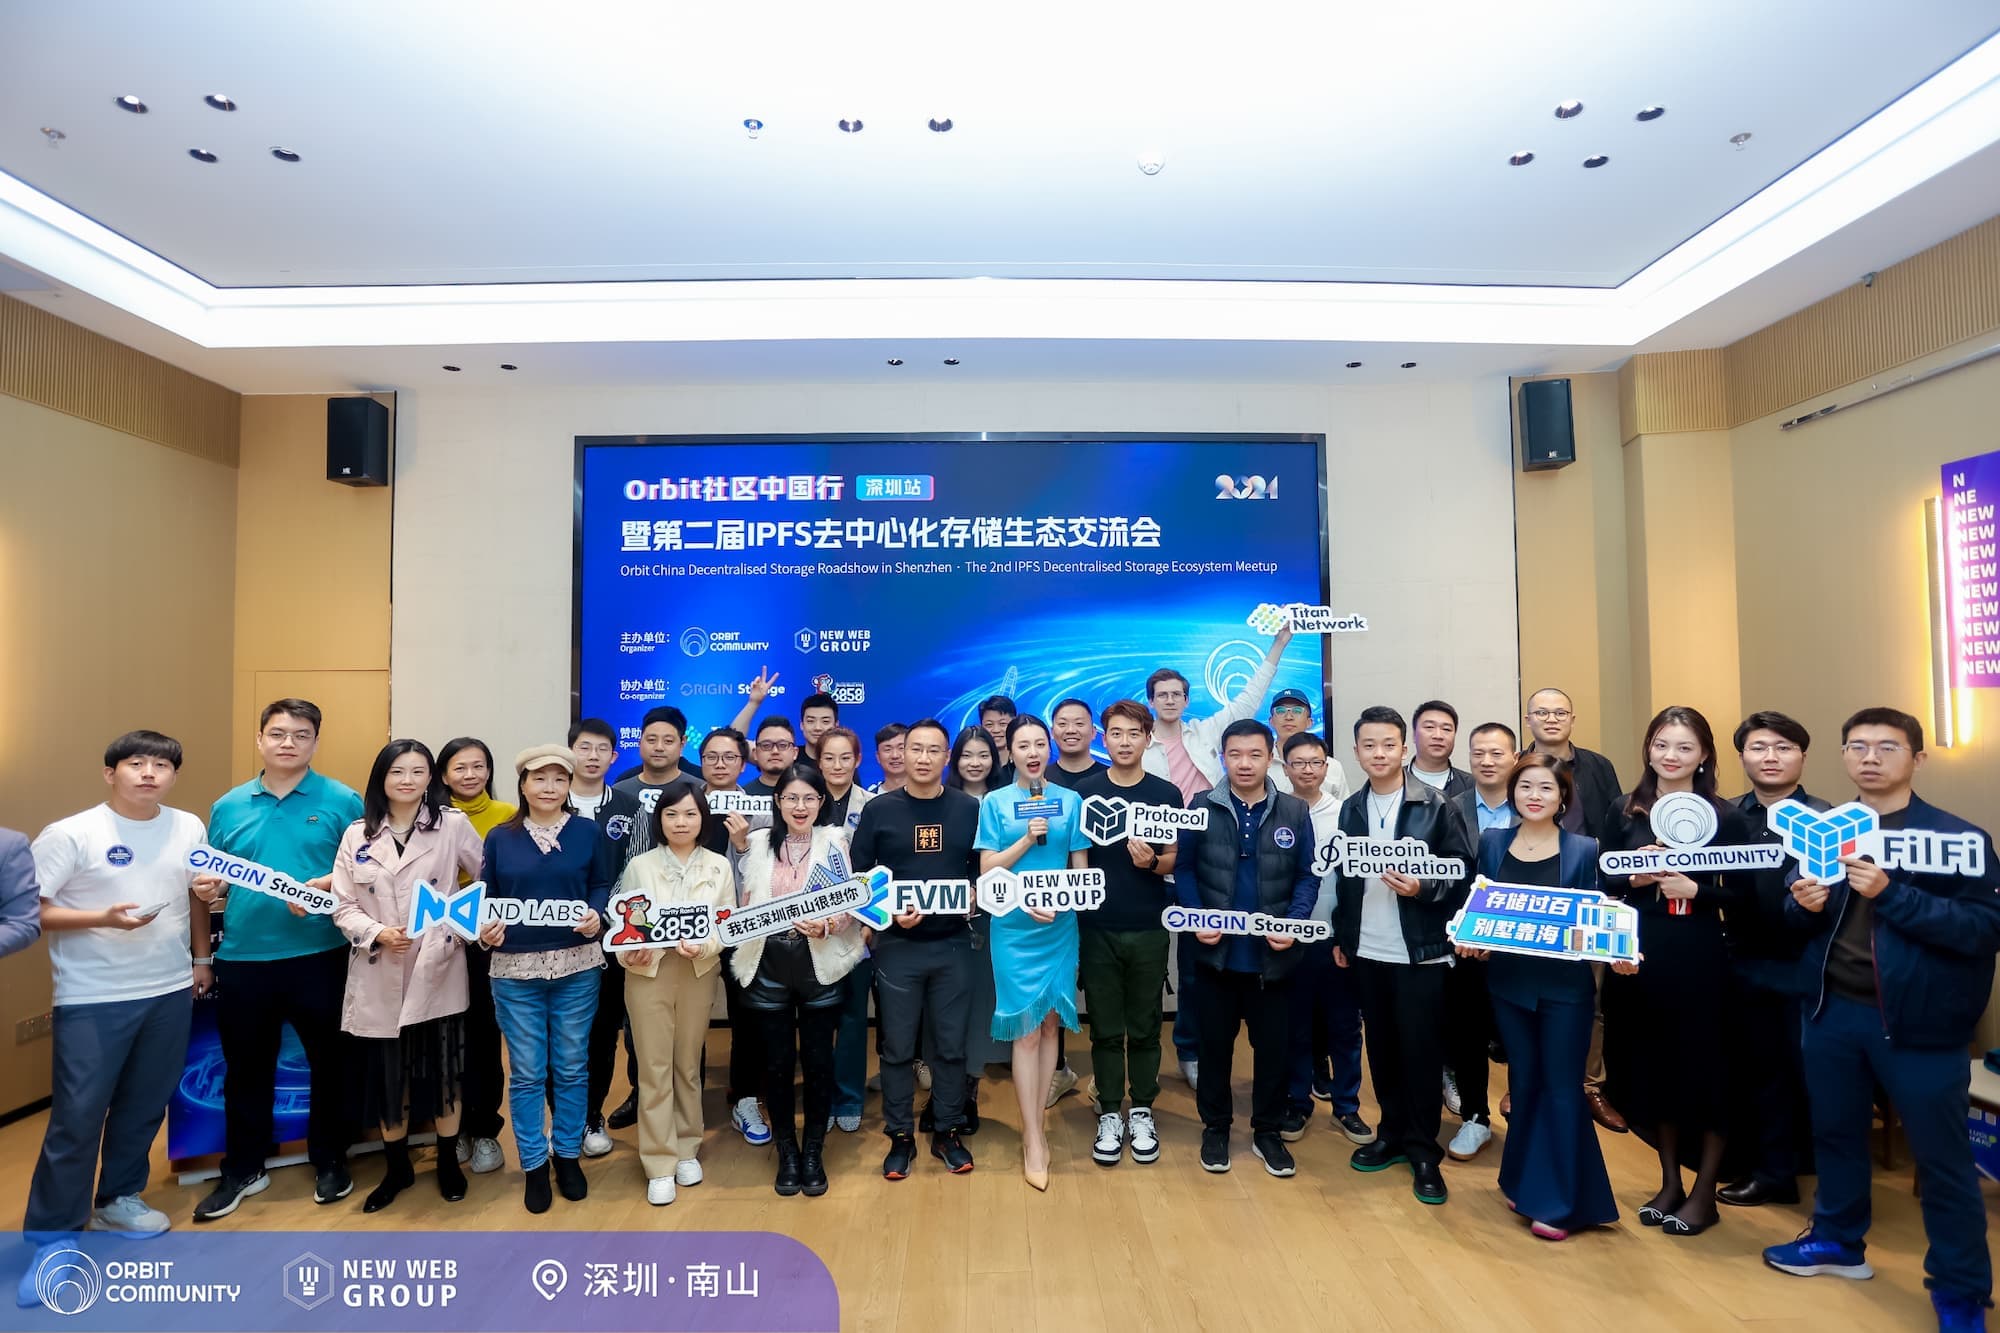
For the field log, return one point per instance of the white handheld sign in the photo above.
(1820, 839)
(457, 912)
(745, 803)
(535, 911)
(1304, 618)
(932, 897)
(1002, 890)
(1364, 857)
(1228, 922)
(1110, 820)
(206, 860)
(641, 925)
(735, 925)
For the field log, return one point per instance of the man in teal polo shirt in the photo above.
(277, 964)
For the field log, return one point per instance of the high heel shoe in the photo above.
(1038, 1180)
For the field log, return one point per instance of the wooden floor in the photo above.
(1166, 1246)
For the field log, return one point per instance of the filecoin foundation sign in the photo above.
(1971, 538)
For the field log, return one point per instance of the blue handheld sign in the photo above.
(1579, 924)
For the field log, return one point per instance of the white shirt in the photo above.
(1326, 823)
(98, 859)
(1435, 780)
(1334, 784)
(588, 806)
(1381, 920)
(1203, 736)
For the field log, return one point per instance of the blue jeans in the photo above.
(1325, 1023)
(547, 1028)
(1846, 1052)
(850, 1041)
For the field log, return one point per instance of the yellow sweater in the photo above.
(486, 815)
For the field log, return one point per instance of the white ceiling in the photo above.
(536, 184)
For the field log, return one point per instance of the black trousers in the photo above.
(1229, 1002)
(254, 1003)
(804, 1036)
(1769, 1126)
(1402, 1016)
(483, 1089)
(605, 1029)
(923, 989)
(1468, 1026)
(746, 1038)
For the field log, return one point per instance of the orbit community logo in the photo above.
(694, 642)
(68, 1281)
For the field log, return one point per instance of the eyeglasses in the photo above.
(1551, 714)
(800, 802)
(1306, 765)
(1887, 749)
(1782, 749)
(295, 737)
(1290, 710)
(775, 747)
(1168, 696)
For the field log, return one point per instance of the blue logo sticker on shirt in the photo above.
(118, 854)
(1284, 837)
(618, 827)
(312, 819)
(361, 855)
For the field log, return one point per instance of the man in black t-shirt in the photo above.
(923, 964)
(1123, 947)
(1072, 728)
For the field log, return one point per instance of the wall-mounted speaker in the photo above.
(1548, 436)
(357, 442)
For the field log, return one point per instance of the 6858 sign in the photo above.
(640, 924)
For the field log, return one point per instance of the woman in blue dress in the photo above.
(1032, 825)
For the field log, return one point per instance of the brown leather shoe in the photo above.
(1604, 1113)
(1507, 1105)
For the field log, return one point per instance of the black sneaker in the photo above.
(1215, 1150)
(1292, 1125)
(1270, 1149)
(947, 1149)
(1376, 1156)
(627, 1114)
(570, 1179)
(902, 1149)
(1429, 1182)
(228, 1192)
(926, 1122)
(812, 1170)
(968, 1124)
(1356, 1129)
(332, 1184)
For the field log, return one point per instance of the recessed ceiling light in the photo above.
(508, 365)
(453, 369)
(951, 361)
(132, 104)
(753, 125)
(1354, 365)
(940, 124)
(53, 135)
(1595, 160)
(1521, 159)
(202, 155)
(1740, 139)
(1409, 365)
(220, 102)
(1568, 110)
(1651, 113)
(851, 126)
(284, 155)
(895, 360)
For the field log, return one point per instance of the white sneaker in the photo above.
(1189, 1069)
(849, 1124)
(1144, 1138)
(596, 1143)
(749, 1122)
(1452, 1102)
(1471, 1137)
(128, 1213)
(1110, 1145)
(485, 1155)
(923, 1074)
(1061, 1084)
(687, 1171)
(464, 1150)
(660, 1191)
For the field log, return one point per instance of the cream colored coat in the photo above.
(706, 879)
(834, 956)
(373, 884)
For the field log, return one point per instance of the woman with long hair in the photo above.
(1551, 1169)
(406, 998)
(670, 990)
(974, 761)
(545, 976)
(1034, 951)
(795, 982)
(465, 767)
(1665, 1026)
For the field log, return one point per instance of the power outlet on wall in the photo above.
(34, 1028)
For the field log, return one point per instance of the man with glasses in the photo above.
(594, 742)
(1324, 1042)
(924, 963)
(1765, 987)
(278, 965)
(1292, 715)
(1551, 716)
(1902, 966)
(776, 747)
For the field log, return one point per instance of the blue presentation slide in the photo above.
(915, 577)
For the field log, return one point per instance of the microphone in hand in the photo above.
(1035, 791)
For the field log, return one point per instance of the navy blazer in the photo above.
(1533, 982)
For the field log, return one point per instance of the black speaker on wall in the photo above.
(357, 442)
(1548, 439)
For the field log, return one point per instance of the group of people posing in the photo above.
(1744, 1045)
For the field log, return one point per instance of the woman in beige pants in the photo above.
(670, 990)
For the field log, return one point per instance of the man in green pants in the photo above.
(1123, 950)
